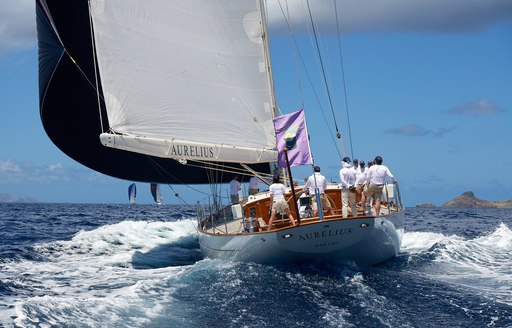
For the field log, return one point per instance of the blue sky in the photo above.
(429, 87)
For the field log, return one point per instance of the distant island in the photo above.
(6, 198)
(469, 200)
(425, 205)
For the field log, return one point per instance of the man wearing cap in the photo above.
(375, 179)
(317, 180)
(348, 190)
(356, 165)
(360, 182)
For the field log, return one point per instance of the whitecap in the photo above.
(483, 264)
(417, 242)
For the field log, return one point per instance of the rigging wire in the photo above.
(215, 174)
(323, 71)
(343, 79)
(213, 177)
(306, 71)
(295, 54)
(161, 169)
(93, 85)
(324, 51)
(93, 47)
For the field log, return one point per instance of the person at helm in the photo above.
(317, 180)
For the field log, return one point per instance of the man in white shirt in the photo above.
(254, 185)
(360, 182)
(234, 187)
(355, 162)
(348, 190)
(277, 196)
(375, 178)
(317, 180)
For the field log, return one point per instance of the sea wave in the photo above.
(97, 274)
(481, 264)
(147, 271)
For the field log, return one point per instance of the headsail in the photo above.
(203, 93)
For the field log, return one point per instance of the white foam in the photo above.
(417, 242)
(483, 264)
(91, 276)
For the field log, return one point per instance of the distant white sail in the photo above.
(132, 193)
(185, 79)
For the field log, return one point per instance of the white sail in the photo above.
(185, 79)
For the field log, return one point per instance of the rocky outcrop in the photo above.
(468, 199)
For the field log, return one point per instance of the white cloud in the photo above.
(442, 131)
(12, 173)
(8, 167)
(99, 178)
(415, 130)
(478, 107)
(15, 173)
(423, 16)
(18, 31)
(410, 130)
(17, 25)
(55, 167)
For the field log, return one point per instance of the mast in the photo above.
(268, 64)
(296, 207)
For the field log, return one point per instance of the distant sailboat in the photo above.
(132, 194)
(155, 192)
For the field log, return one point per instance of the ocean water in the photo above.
(76, 265)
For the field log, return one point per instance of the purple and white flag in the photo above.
(291, 133)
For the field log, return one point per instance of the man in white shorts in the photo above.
(277, 191)
(375, 179)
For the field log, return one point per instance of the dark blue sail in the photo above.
(69, 109)
(155, 192)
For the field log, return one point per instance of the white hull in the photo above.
(364, 241)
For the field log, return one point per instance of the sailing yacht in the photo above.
(132, 194)
(156, 193)
(182, 92)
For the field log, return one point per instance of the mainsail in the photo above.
(187, 80)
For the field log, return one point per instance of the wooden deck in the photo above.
(257, 209)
